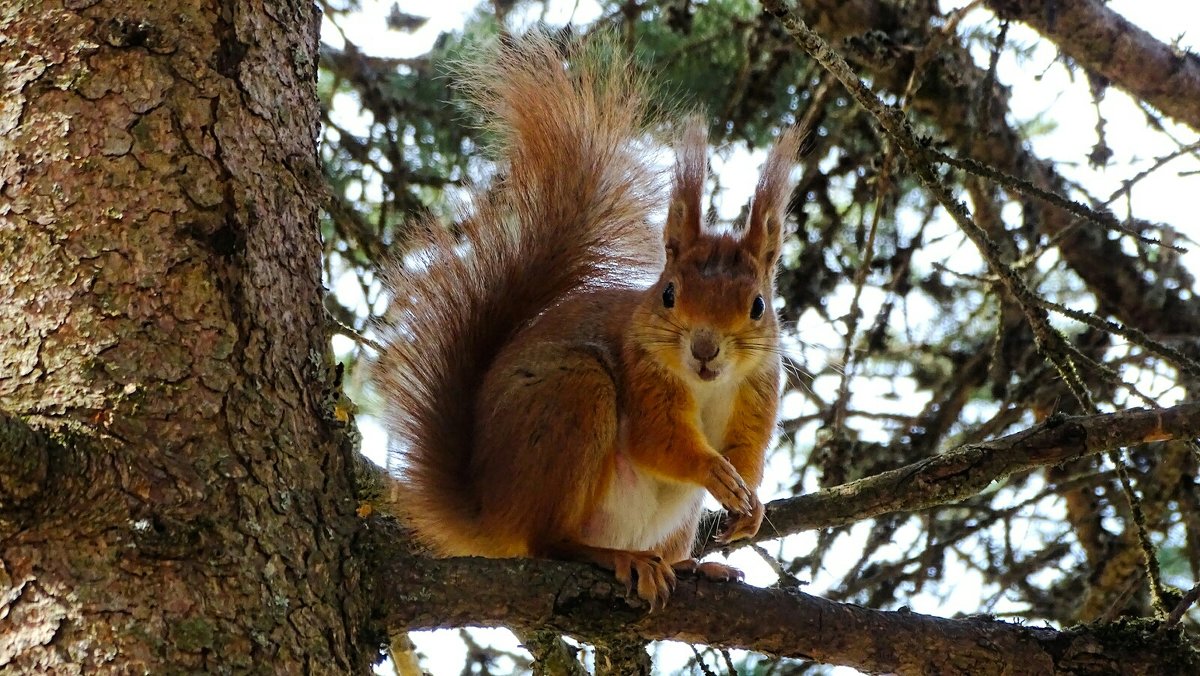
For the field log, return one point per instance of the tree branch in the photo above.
(938, 480)
(551, 655)
(421, 593)
(1104, 42)
(416, 593)
(969, 469)
(970, 109)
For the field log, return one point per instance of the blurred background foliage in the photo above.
(900, 343)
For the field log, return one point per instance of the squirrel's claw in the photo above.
(726, 485)
(740, 525)
(623, 567)
(655, 579)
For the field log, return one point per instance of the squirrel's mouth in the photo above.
(706, 373)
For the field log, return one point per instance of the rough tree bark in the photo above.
(183, 501)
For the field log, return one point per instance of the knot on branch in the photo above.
(24, 462)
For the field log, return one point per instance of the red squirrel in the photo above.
(544, 401)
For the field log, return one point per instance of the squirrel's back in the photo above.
(569, 212)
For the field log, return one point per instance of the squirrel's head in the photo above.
(711, 313)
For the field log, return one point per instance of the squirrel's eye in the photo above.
(757, 308)
(669, 295)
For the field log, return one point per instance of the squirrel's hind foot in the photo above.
(653, 577)
(709, 570)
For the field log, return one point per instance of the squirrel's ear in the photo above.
(691, 165)
(764, 230)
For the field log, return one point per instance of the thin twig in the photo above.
(1180, 608)
(921, 154)
(1025, 187)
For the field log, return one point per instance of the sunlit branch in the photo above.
(970, 469)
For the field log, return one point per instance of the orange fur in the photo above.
(542, 402)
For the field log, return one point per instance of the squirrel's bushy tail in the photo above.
(569, 211)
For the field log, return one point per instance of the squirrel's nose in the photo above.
(704, 347)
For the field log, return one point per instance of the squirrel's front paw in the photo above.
(740, 525)
(727, 487)
(655, 578)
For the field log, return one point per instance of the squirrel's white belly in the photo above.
(639, 511)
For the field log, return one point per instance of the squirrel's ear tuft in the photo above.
(691, 166)
(764, 231)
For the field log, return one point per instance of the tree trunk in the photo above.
(175, 491)
(175, 494)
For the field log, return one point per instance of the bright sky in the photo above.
(1168, 196)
